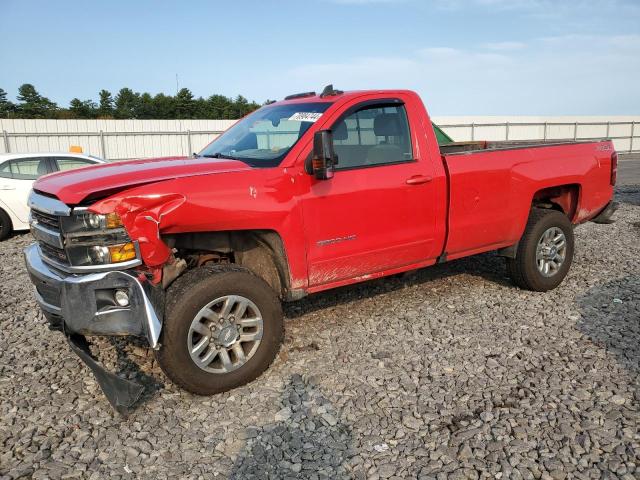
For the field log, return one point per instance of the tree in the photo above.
(126, 103)
(164, 106)
(185, 104)
(83, 108)
(6, 107)
(241, 105)
(106, 104)
(146, 108)
(219, 107)
(34, 105)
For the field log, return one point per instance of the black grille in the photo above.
(56, 254)
(50, 221)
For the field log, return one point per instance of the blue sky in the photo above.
(480, 57)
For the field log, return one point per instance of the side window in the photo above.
(69, 163)
(29, 168)
(5, 170)
(373, 135)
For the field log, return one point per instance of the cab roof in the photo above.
(334, 95)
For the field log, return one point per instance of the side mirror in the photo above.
(323, 157)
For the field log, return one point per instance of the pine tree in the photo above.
(185, 104)
(6, 107)
(106, 104)
(126, 103)
(83, 108)
(34, 105)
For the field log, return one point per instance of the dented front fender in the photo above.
(144, 217)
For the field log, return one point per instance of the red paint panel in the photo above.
(492, 191)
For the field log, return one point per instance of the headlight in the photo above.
(86, 221)
(86, 255)
(122, 253)
(96, 239)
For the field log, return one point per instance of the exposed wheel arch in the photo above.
(260, 251)
(563, 198)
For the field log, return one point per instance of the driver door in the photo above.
(370, 217)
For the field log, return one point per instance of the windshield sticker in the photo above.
(305, 116)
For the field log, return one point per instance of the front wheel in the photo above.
(223, 327)
(544, 253)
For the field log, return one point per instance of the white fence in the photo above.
(121, 139)
(111, 139)
(623, 130)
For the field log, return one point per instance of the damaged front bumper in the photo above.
(84, 305)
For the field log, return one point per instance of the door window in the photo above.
(68, 163)
(5, 170)
(25, 168)
(372, 135)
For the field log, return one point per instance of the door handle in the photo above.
(7, 187)
(419, 179)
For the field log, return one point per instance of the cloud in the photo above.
(631, 41)
(572, 12)
(504, 46)
(364, 2)
(625, 41)
(570, 74)
(492, 4)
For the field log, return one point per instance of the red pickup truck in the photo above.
(303, 195)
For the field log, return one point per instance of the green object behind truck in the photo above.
(443, 138)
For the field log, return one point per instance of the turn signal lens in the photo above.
(122, 253)
(113, 220)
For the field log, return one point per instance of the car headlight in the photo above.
(96, 239)
(87, 255)
(96, 221)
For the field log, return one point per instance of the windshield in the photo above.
(263, 138)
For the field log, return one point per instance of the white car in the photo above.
(18, 171)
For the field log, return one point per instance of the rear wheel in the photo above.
(5, 225)
(545, 251)
(223, 327)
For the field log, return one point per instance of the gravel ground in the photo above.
(449, 372)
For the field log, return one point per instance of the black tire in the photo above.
(5, 225)
(524, 269)
(186, 297)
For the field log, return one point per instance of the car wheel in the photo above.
(223, 327)
(5, 225)
(545, 251)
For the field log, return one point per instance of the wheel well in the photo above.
(261, 251)
(563, 198)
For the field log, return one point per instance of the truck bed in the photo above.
(492, 186)
(482, 145)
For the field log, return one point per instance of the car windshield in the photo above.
(263, 138)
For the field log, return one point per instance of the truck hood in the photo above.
(74, 186)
